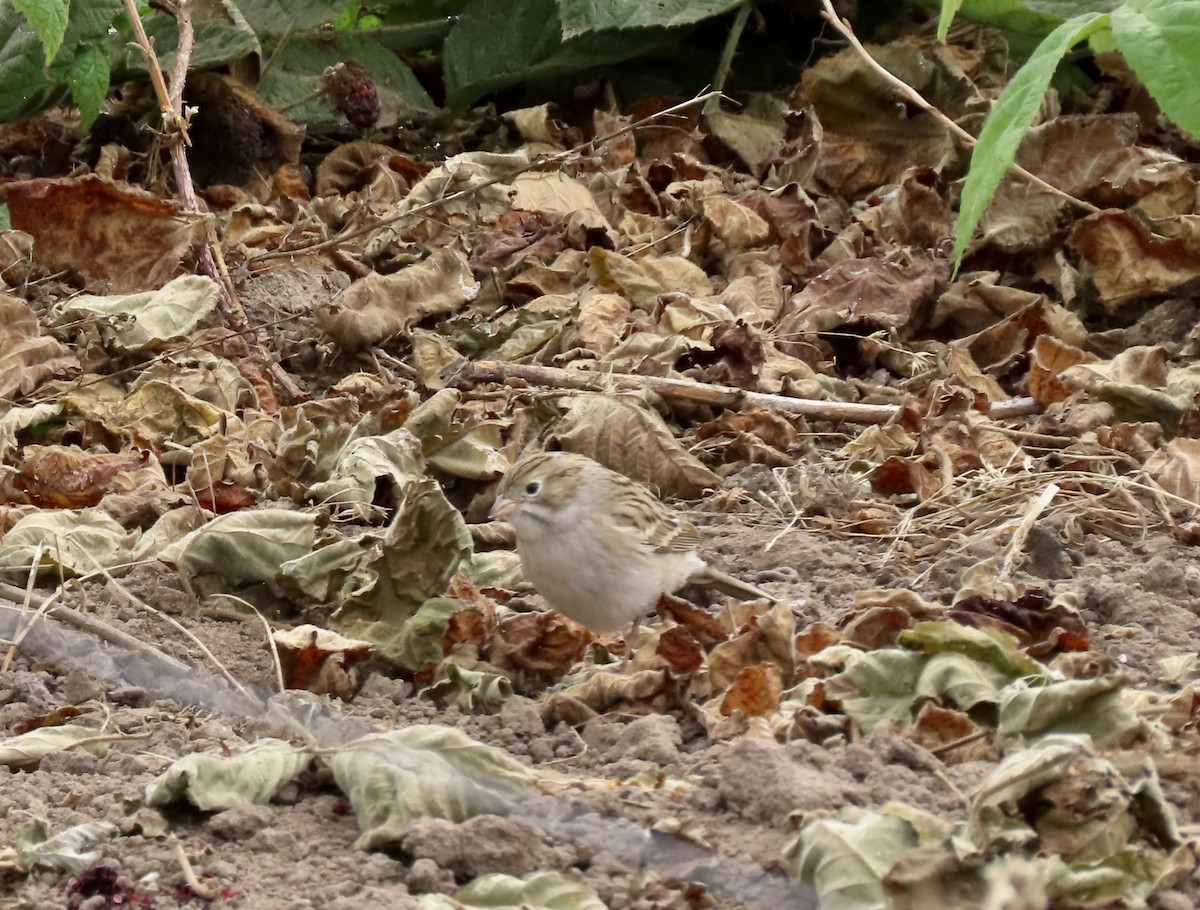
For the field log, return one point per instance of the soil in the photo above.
(637, 847)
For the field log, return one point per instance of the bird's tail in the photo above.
(727, 584)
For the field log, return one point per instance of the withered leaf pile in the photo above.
(322, 447)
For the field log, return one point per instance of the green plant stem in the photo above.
(731, 43)
(831, 16)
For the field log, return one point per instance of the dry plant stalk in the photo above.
(465, 374)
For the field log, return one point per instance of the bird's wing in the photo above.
(641, 513)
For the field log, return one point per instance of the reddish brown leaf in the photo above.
(544, 642)
(55, 718)
(111, 233)
(61, 477)
(1043, 628)
(679, 648)
(756, 692)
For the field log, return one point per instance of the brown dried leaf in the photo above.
(64, 477)
(977, 300)
(544, 642)
(649, 690)
(474, 625)
(1042, 627)
(679, 648)
(998, 346)
(602, 321)
(320, 661)
(110, 233)
(768, 640)
(876, 627)
(867, 142)
(351, 165)
(1129, 262)
(756, 692)
(814, 639)
(1050, 359)
(878, 443)
(55, 718)
(1176, 468)
(27, 356)
(734, 224)
(379, 306)
(917, 214)
(702, 625)
(936, 728)
(643, 280)
(625, 435)
(860, 294)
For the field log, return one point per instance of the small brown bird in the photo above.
(600, 547)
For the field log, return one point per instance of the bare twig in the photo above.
(843, 27)
(146, 46)
(175, 123)
(10, 599)
(536, 163)
(1016, 546)
(204, 890)
(22, 631)
(465, 374)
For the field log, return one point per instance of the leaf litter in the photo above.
(974, 496)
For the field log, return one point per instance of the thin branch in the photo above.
(843, 27)
(725, 65)
(466, 374)
(146, 46)
(175, 125)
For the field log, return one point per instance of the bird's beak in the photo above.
(502, 508)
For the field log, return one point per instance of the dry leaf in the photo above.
(625, 435)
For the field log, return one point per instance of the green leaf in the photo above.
(946, 16)
(77, 541)
(297, 72)
(1025, 23)
(1161, 41)
(25, 752)
(24, 87)
(244, 548)
(1009, 121)
(65, 852)
(134, 322)
(846, 858)
(495, 45)
(393, 779)
(414, 644)
(960, 680)
(471, 690)
(88, 78)
(540, 891)
(48, 18)
(885, 682)
(1070, 706)
(213, 783)
(271, 18)
(220, 39)
(988, 646)
(582, 16)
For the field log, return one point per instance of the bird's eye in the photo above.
(532, 488)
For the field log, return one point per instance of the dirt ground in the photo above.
(715, 843)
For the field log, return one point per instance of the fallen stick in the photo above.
(466, 374)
